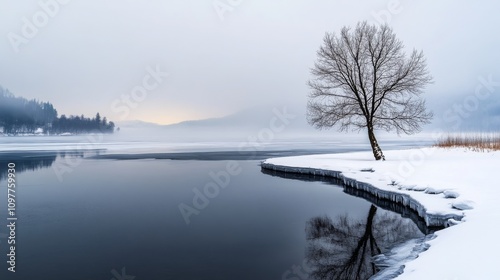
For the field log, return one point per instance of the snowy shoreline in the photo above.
(445, 186)
(431, 220)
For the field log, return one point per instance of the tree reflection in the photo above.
(34, 160)
(25, 162)
(343, 248)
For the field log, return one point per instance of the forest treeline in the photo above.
(20, 115)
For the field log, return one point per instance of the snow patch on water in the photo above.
(392, 263)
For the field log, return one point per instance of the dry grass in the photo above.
(476, 142)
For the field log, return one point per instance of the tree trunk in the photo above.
(377, 152)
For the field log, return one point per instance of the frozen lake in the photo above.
(93, 215)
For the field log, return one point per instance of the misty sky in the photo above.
(86, 55)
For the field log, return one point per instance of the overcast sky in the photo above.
(85, 56)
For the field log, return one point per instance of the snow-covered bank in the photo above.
(442, 185)
(432, 219)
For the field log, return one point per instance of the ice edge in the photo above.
(431, 220)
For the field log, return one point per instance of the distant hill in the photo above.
(250, 119)
(240, 126)
(464, 112)
(136, 124)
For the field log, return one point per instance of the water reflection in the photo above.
(25, 162)
(385, 204)
(399, 208)
(343, 248)
(35, 160)
(302, 177)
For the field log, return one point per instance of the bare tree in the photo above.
(364, 79)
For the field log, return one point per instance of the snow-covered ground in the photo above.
(443, 182)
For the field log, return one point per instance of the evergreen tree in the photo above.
(19, 115)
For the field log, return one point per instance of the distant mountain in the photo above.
(250, 123)
(464, 112)
(253, 118)
(136, 124)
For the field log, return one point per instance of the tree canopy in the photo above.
(363, 79)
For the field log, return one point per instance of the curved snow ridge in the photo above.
(392, 263)
(431, 219)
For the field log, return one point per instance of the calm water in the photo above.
(102, 218)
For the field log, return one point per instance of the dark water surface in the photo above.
(104, 218)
